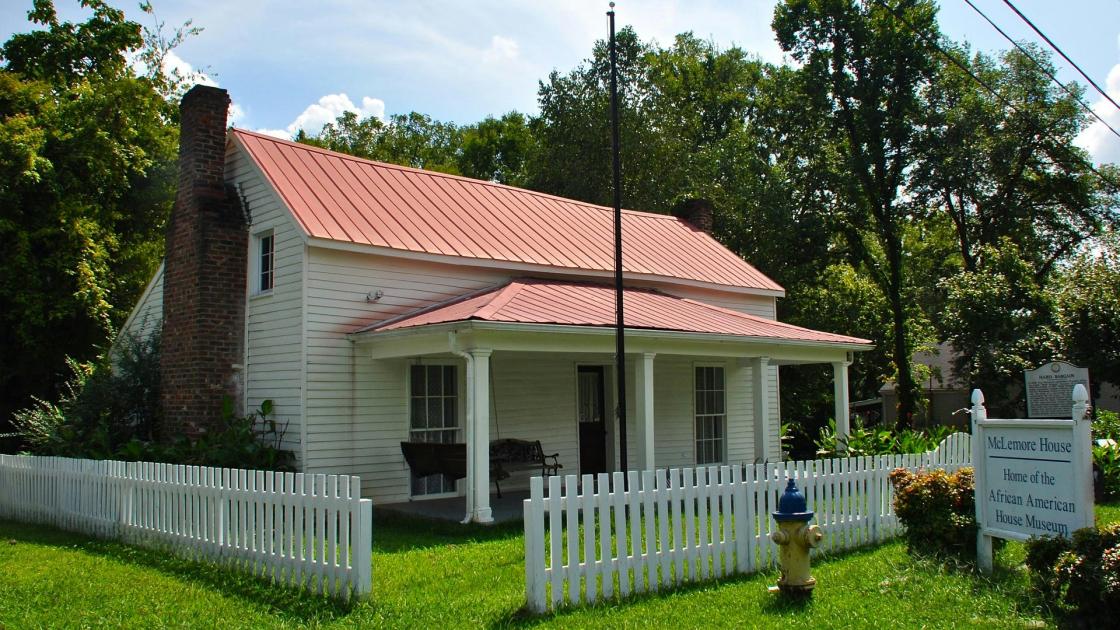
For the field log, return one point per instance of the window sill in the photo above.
(262, 294)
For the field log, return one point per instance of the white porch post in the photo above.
(643, 382)
(760, 387)
(840, 395)
(479, 457)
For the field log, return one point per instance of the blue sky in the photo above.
(291, 64)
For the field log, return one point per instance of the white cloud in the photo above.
(175, 67)
(501, 49)
(173, 64)
(1102, 144)
(283, 134)
(326, 110)
(236, 114)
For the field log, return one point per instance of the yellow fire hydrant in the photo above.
(795, 537)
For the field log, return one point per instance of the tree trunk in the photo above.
(904, 381)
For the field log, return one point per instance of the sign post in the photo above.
(1033, 477)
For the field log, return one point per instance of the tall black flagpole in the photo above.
(620, 330)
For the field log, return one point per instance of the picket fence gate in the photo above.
(613, 535)
(308, 531)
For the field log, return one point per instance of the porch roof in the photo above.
(531, 301)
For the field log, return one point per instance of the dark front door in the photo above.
(592, 420)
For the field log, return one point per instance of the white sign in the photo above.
(1022, 467)
(1049, 387)
(1033, 477)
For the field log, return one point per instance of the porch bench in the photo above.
(514, 454)
(450, 459)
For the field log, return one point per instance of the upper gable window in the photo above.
(266, 262)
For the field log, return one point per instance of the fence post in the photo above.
(739, 512)
(534, 546)
(363, 551)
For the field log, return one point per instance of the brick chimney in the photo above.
(697, 212)
(204, 274)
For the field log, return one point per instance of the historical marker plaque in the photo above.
(1049, 388)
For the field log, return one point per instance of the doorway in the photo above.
(592, 409)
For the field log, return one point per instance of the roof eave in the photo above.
(648, 333)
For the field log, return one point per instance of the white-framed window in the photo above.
(265, 263)
(711, 414)
(433, 403)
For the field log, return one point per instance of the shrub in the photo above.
(938, 510)
(880, 440)
(1079, 576)
(110, 409)
(103, 405)
(1106, 456)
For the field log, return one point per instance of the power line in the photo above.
(934, 45)
(1043, 68)
(1059, 50)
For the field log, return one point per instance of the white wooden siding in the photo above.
(148, 314)
(760, 305)
(356, 407)
(273, 321)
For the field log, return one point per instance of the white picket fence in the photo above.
(307, 531)
(667, 527)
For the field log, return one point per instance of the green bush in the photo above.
(1106, 457)
(938, 510)
(110, 409)
(103, 405)
(1079, 576)
(880, 440)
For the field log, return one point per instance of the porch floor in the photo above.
(506, 509)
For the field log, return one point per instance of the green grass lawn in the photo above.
(431, 575)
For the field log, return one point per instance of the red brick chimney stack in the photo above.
(204, 274)
(697, 212)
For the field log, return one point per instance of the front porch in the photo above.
(504, 509)
(692, 397)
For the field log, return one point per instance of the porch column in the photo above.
(760, 387)
(643, 388)
(479, 445)
(840, 396)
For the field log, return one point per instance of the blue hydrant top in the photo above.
(791, 505)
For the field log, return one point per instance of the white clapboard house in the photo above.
(381, 304)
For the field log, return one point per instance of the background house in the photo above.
(375, 304)
(945, 393)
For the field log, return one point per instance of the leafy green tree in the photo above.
(1001, 320)
(87, 165)
(497, 149)
(413, 139)
(1007, 166)
(1087, 294)
(865, 74)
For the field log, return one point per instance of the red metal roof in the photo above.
(343, 198)
(583, 304)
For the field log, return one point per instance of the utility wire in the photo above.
(1043, 68)
(1064, 56)
(957, 62)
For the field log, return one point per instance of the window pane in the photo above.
(433, 407)
(717, 378)
(435, 380)
(449, 388)
(435, 413)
